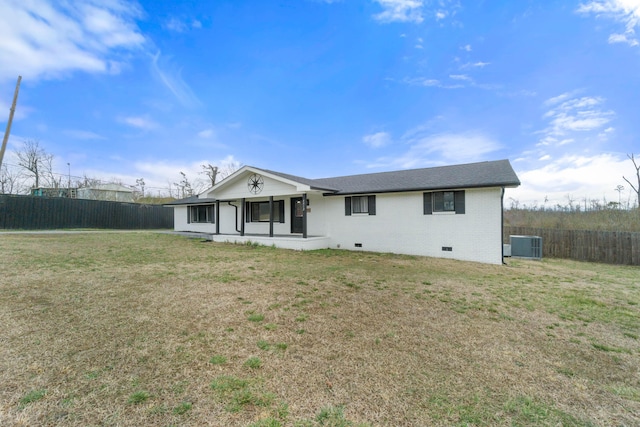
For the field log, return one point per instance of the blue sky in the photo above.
(146, 89)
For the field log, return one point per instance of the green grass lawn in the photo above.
(131, 329)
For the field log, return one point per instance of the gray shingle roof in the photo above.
(313, 183)
(472, 175)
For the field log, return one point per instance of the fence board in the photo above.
(41, 213)
(612, 247)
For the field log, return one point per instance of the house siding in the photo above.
(400, 226)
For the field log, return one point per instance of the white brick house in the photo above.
(448, 212)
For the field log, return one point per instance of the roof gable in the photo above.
(275, 183)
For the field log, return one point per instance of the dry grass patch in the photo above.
(153, 329)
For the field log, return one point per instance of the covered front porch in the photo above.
(259, 207)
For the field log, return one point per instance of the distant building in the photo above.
(110, 192)
(54, 192)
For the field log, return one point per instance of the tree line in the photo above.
(34, 169)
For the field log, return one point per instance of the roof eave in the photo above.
(432, 188)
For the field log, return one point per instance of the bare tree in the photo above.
(211, 172)
(87, 182)
(619, 189)
(228, 169)
(37, 163)
(140, 183)
(183, 187)
(635, 187)
(10, 181)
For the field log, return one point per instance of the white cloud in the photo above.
(466, 47)
(139, 122)
(48, 39)
(570, 114)
(460, 77)
(181, 26)
(400, 11)
(427, 148)
(454, 147)
(206, 133)
(83, 134)
(174, 24)
(414, 10)
(625, 12)
(171, 77)
(478, 64)
(421, 81)
(377, 140)
(441, 14)
(623, 38)
(582, 178)
(161, 173)
(559, 98)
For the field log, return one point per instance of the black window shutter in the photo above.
(347, 206)
(458, 198)
(247, 212)
(281, 210)
(372, 205)
(212, 218)
(426, 201)
(189, 214)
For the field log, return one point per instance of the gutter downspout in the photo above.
(502, 225)
(236, 216)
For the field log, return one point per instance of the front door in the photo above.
(296, 215)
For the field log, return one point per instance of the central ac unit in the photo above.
(526, 246)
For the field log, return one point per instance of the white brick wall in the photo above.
(400, 226)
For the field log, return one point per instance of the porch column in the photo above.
(270, 216)
(242, 216)
(304, 216)
(218, 217)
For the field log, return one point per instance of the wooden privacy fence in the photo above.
(612, 247)
(41, 213)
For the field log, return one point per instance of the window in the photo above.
(360, 205)
(259, 211)
(444, 201)
(201, 213)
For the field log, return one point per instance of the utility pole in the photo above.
(11, 111)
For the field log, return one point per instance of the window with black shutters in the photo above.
(444, 201)
(360, 205)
